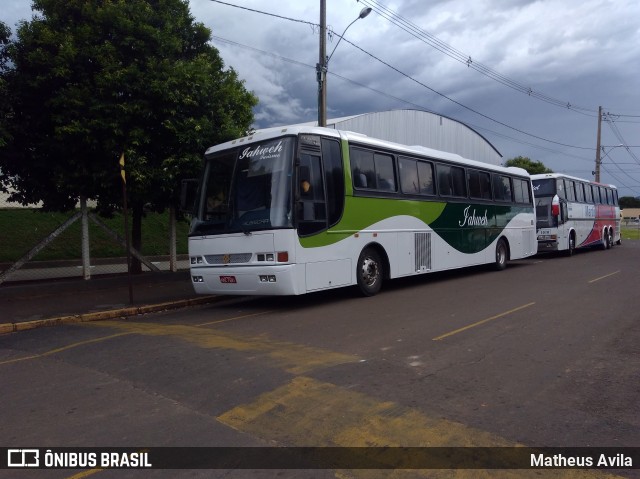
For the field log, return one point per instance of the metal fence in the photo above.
(38, 245)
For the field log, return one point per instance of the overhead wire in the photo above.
(415, 80)
(461, 104)
(465, 58)
(421, 84)
(382, 93)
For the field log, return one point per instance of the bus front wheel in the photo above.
(572, 244)
(370, 272)
(502, 255)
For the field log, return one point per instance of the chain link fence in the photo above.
(28, 251)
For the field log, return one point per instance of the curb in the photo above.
(106, 315)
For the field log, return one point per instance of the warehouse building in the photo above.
(423, 128)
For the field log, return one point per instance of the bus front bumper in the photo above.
(248, 280)
(547, 245)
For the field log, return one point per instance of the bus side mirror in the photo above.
(188, 191)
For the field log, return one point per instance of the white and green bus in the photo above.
(292, 210)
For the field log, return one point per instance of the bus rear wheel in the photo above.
(369, 272)
(502, 255)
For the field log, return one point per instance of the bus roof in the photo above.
(362, 139)
(544, 176)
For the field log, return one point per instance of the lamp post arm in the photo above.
(341, 36)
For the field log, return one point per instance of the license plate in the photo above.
(228, 279)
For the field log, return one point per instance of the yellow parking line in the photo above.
(89, 341)
(84, 474)
(483, 321)
(64, 348)
(232, 319)
(603, 277)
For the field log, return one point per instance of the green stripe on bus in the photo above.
(467, 227)
(361, 213)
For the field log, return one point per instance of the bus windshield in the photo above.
(544, 191)
(545, 187)
(246, 189)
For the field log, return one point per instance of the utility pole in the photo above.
(598, 161)
(321, 67)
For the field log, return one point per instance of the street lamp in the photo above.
(322, 65)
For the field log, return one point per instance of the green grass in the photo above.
(22, 229)
(630, 233)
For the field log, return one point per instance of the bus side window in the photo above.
(444, 179)
(502, 188)
(425, 174)
(580, 192)
(473, 178)
(385, 176)
(588, 196)
(409, 181)
(521, 191)
(451, 180)
(479, 184)
(570, 190)
(362, 168)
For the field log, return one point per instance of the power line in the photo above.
(379, 92)
(267, 13)
(419, 82)
(461, 104)
(464, 58)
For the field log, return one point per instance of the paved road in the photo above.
(545, 353)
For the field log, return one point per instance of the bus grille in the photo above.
(423, 251)
(233, 258)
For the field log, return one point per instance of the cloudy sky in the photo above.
(528, 75)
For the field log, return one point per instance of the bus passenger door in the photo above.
(311, 203)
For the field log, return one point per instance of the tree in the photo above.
(629, 202)
(92, 79)
(532, 167)
(5, 36)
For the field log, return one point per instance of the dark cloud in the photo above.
(584, 55)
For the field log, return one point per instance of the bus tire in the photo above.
(572, 244)
(605, 240)
(502, 255)
(370, 272)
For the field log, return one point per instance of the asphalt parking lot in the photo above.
(543, 354)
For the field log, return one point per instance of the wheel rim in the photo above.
(370, 271)
(501, 254)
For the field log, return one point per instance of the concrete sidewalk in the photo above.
(47, 303)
